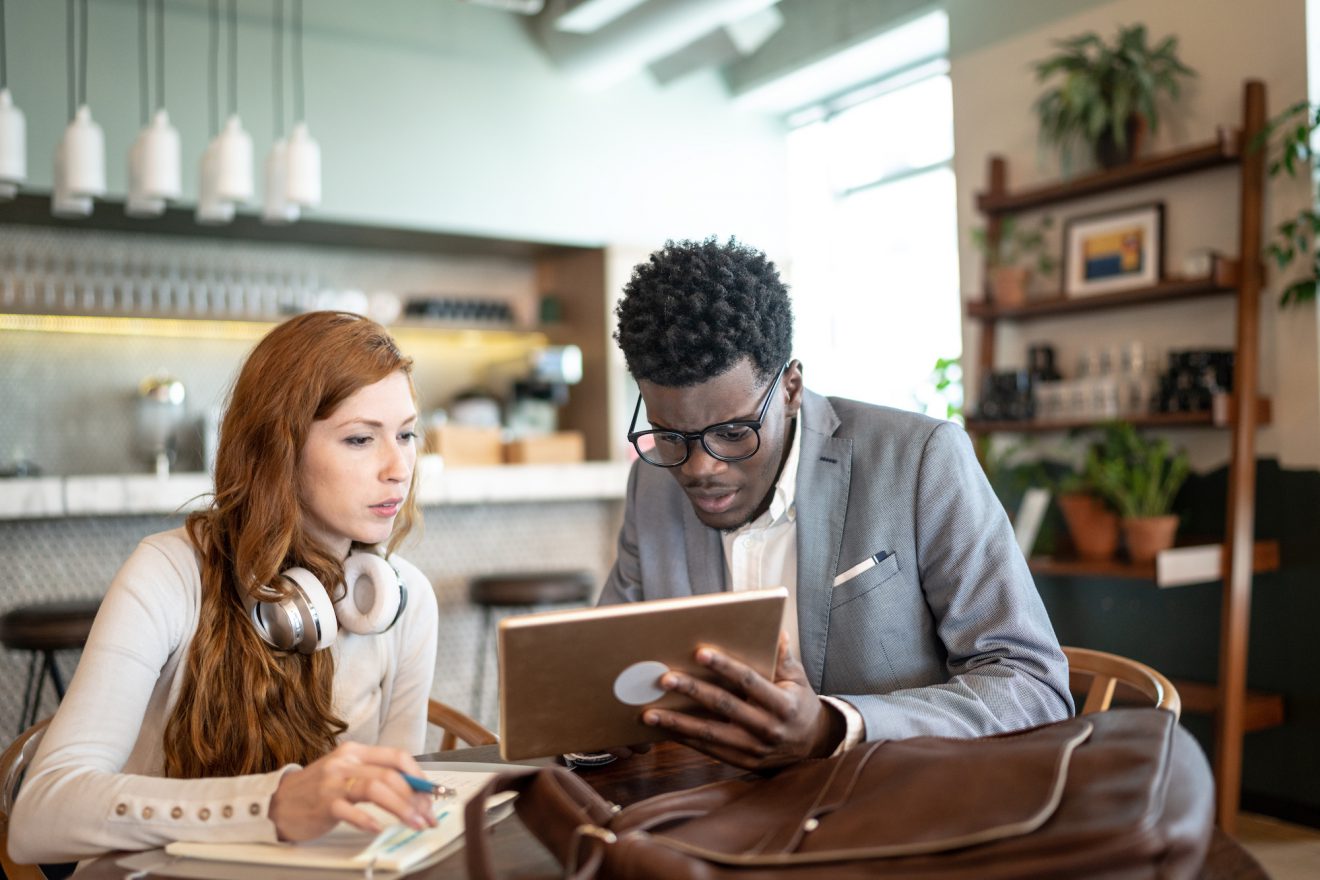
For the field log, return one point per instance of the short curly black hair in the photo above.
(694, 309)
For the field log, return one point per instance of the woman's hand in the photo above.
(311, 801)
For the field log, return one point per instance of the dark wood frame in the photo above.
(1073, 226)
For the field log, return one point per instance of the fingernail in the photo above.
(704, 655)
(418, 821)
(668, 681)
(651, 717)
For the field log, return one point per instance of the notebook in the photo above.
(345, 848)
(578, 680)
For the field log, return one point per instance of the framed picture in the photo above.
(1116, 250)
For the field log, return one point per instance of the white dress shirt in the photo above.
(763, 554)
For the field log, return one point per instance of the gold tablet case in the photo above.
(558, 668)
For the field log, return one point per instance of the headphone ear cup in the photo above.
(313, 602)
(373, 595)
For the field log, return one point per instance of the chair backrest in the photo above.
(457, 726)
(1105, 671)
(13, 764)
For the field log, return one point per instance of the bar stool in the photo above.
(528, 590)
(44, 629)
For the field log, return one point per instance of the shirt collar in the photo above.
(782, 502)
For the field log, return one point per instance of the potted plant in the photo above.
(1092, 522)
(1010, 258)
(1294, 237)
(1140, 476)
(1107, 94)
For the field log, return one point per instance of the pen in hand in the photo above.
(426, 786)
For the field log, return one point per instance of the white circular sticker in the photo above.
(639, 684)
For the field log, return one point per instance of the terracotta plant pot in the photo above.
(1147, 535)
(1008, 285)
(1093, 526)
(1108, 154)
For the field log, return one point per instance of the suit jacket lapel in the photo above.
(822, 503)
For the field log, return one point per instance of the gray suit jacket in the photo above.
(946, 636)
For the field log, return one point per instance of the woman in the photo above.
(185, 721)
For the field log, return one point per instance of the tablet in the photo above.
(577, 681)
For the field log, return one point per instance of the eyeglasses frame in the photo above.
(755, 424)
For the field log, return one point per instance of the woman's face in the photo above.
(357, 465)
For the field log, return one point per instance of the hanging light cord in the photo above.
(278, 59)
(233, 57)
(160, 54)
(82, 54)
(68, 28)
(4, 55)
(215, 66)
(298, 108)
(144, 100)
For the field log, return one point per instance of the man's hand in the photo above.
(758, 724)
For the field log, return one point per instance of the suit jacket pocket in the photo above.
(865, 582)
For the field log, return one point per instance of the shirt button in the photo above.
(147, 812)
(176, 813)
(203, 814)
(121, 809)
(255, 809)
(227, 812)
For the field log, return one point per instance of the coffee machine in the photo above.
(541, 388)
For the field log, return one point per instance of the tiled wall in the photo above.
(76, 558)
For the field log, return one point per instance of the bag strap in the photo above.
(556, 806)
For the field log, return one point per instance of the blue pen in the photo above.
(426, 786)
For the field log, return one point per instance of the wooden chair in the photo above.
(13, 764)
(457, 726)
(1099, 673)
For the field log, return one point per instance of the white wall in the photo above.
(433, 114)
(1225, 41)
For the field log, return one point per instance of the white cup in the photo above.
(276, 208)
(233, 182)
(84, 155)
(211, 209)
(303, 175)
(13, 143)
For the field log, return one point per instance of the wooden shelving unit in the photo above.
(1265, 557)
(1235, 710)
(1212, 418)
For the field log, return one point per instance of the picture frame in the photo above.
(1113, 250)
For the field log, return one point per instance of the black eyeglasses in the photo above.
(727, 441)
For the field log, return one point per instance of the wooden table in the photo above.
(667, 767)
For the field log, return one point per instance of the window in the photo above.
(873, 234)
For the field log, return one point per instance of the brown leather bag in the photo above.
(1120, 794)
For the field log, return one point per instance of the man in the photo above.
(910, 605)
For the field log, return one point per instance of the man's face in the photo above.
(728, 494)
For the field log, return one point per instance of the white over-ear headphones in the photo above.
(307, 621)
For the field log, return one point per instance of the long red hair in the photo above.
(244, 707)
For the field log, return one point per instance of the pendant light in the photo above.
(211, 209)
(154, 159)
(80, 156)
(276, 208)
(303, 180)
(13, 127)
(234, 145)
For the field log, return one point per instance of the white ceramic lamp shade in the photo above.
(161, 158)
(211, 209)
(276, 208)
(303, 181)
(140, 203)
(84, 155)
(13, 146)
(63, 202)
(233, 145)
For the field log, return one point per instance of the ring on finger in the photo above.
(348, 785)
